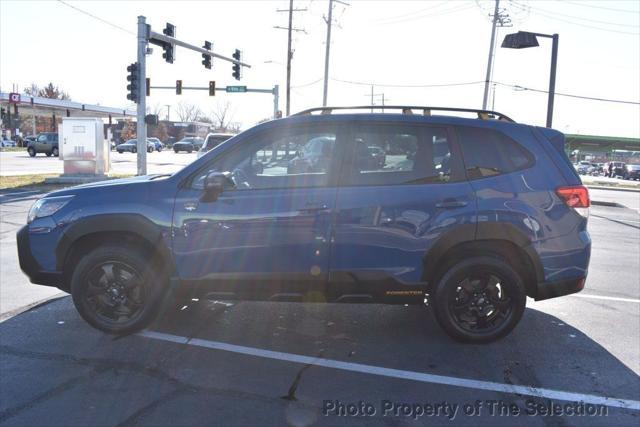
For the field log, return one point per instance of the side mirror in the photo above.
(214, 184)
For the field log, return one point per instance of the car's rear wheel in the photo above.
(31, 151)
(117, 290)
(150, 150)
(55, 151)
(120, 151)
(134, 150)
(48, 154)
(176, 150)
(189, 150)
(479, 299)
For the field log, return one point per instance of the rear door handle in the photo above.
(314, 207)
(451, 204)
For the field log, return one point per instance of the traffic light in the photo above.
(132, 78)
(212, 88)
(236, 67)
(178, 87)
(206, 59)
(168, 55)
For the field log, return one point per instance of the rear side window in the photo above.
(487, 152)
(393, 154)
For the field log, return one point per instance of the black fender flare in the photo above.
(481, 232)
(132, 223)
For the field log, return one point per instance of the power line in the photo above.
(576, 17)
(405, 86)
(590, 98)
(104, 21)
(600, 7)
(575, 23)
(458, 8)
(308, 84)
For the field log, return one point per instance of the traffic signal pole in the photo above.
(141, 131)
(168, 43)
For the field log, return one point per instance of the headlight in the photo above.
(47, 206)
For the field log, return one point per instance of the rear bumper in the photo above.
(30, 266)
(548, 290)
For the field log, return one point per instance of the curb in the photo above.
(32, 306)
(605, 187)
(610, 204)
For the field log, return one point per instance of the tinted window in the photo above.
(398, 154)
(278, 160)
(487, 152)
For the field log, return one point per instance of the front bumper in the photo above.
(30, 266)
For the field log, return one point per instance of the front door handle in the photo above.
(314, 207)
(451, 204)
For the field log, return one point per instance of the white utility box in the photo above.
(83, 148)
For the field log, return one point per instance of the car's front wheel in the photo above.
(479, 299)
(55, 151)
(117, 290)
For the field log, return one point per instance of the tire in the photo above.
(175, 150)
(461, 314)
(150, 150)
(159, 149)
(129, 269)
(48, 154)
(134, 150)
(31, 151)
(120, 151)
(189, 150)
(55, 151)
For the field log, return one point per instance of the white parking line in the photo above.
(18, 192)
(637, 301)
(397, 373)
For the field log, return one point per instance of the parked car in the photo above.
(28, 139)
(618, 169)
(46, 142)
(7, 143)
(315, 155)
(583, 167)
(632, 172)
(213, 140)
(493, 214)
(157, 144)
(188, 144)
(131, 146)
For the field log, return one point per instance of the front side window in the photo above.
(42, 138)
(398, 154)
(296, 158)
(487, 152)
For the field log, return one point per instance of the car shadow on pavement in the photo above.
(50, 358)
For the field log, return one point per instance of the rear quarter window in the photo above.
(487, 152)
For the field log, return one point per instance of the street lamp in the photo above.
(525, 39)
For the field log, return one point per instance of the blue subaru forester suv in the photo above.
(471, 215)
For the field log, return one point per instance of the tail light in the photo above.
(576, 197)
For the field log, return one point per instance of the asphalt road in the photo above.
(255, 363)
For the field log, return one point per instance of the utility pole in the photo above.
(289, 29)
(372, 95)
(500, 19)
(168, 112)
(141, 126)
(329, 21)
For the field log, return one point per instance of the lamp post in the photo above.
(525, 39)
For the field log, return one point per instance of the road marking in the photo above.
(18, 192)
(637, 301)
(397, 373)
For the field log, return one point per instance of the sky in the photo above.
(405, 49)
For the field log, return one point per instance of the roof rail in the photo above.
(408, 109)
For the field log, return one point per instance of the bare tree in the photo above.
(49, 91)
(188, 112)
(223, 115)
(154, 109)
